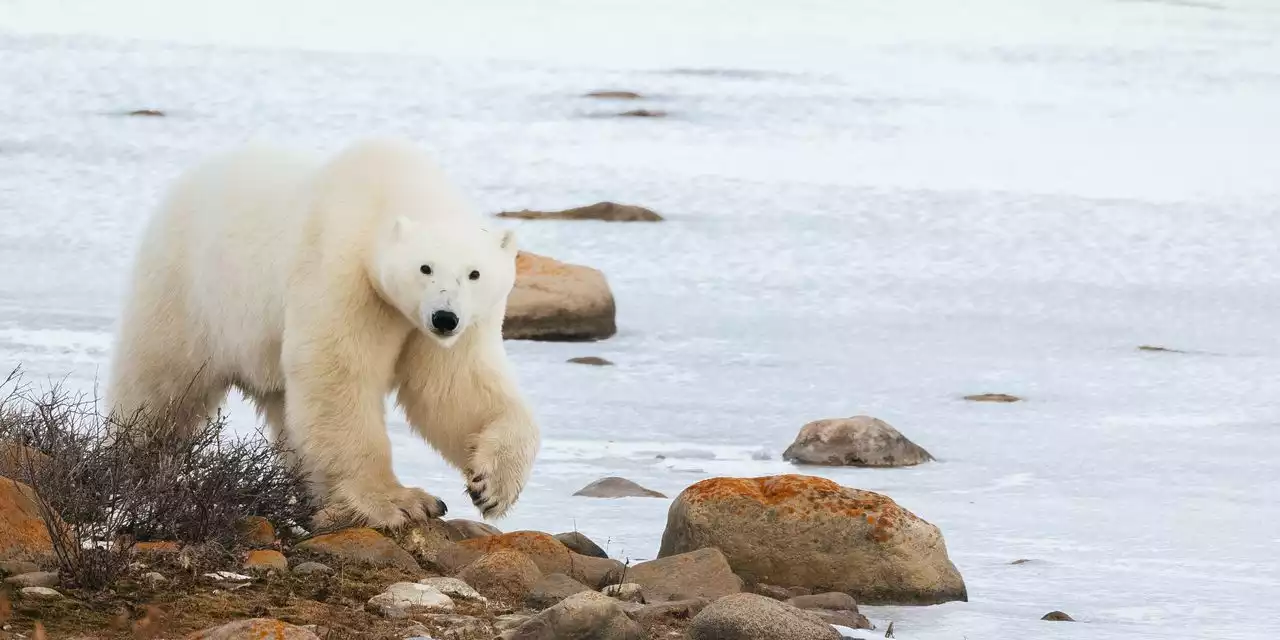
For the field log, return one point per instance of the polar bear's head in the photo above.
(446, 280)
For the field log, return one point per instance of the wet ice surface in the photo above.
(997, 202)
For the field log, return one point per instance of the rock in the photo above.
(992, 397)
(454, 588)
(266, 560)
(860, 441)
(549, 554)
(848, 619)
(590, 360)
(425, 539)
(615, 487)
(607, 211)
(510, 620)
(23, 535)
(156, 546)
(556, 301)
(1158, 349)
(1057, 616)
(628, 592)
(363, 546)
(154, 579)
(643, 113)
(469, 529)
(616, 95)
(650, 614)
(703, 573)
(308, 568)
(18, 461)
(552, 589)
(583, 616)
(505, 574)
(228, 576)
(833, 600)
(254, 629)
(17, 567)
(581, 544)
(747, 616)
(453, 558)
(151, 113)
(256, 531)
(811, 532)
(40, 593)
(34, 579)
(773, 591)
(398, 599)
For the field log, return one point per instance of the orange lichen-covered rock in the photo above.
(550, 555)
(360, 545)
(257, 531)
(556, 301)
(254, 629)
(23, 535)
(266, 560)
(804, 531)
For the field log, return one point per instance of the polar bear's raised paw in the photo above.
(393, 507)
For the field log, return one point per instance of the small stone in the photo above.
(254, 629)
(266, 560)
(591, 361)
(615, 95)
(747, 616)
(833, 600)
(581, 544)
(470, 529)
(628, 592)
(992, 397)
(607, 211)
(40, 593)
(398, 599)
(256, 531)
(454, 588)
(308, 568)
(551, 590)
(703, 573)
(154, 578)
(643, 113)
(505, 574)
(860, 441)
(615, 487)
(150, 113)
(34, 579)
(586, 615)
(1057, 616)
(363, 546)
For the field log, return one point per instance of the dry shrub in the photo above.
(114, 482)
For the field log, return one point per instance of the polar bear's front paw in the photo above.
(493, 488)
(392, 507)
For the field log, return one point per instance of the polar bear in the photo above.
(317, 287)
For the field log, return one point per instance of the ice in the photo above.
(873, 208)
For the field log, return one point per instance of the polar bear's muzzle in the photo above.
(444, 322)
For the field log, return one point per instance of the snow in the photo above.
(872, 209)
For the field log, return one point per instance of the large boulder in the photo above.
(701, 573)
(23, 535)
(860, 441)
(747, 616)
(607, 211)
(584, 616)
(556, 301)
(796, 530)
(551, 555)
(361, 546)
(551, 590)
(615, 487)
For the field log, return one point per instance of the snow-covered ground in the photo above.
(873, 208)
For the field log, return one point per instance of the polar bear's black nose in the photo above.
(444, 321)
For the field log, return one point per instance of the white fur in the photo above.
(297, 280)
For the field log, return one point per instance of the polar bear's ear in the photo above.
(508, 242)
(400, 226)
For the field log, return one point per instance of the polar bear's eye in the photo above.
(425, 269)
(475, 275)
